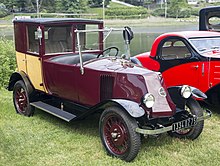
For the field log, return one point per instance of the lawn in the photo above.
(47, 140)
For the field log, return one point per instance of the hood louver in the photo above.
(106, 87)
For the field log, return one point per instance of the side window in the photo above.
(58, 39)
(213, 23)
(174, 49)
(32, 40)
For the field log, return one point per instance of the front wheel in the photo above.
(192, 133)
(117, 132)
(21, 99)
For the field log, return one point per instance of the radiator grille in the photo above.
(106, 87)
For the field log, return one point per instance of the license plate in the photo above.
(184, 124)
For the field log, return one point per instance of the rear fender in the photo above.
(132, 108)
(16, 76)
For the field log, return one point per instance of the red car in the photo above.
(189, 57)
(63, 69)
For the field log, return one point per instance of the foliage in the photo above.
(97, 3)
(71, 6)
(3, 10)
(183, 13)
(46, 5)
(7, 61)
(195, 11)
(126, 11)
(178, 8)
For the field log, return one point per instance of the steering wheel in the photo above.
(107, 51)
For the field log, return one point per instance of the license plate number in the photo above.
(184, 124)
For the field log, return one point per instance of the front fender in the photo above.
(175, 94)
(198, 94)
(132, 108)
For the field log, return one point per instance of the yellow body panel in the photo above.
(21, 62)
(31, 65)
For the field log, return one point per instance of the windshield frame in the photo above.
(108, 30)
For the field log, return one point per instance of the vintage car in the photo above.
(63, 69)
(190, 57)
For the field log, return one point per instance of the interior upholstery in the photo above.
(59, 40)
(72, 59)
(175, 52)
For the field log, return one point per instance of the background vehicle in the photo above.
(64, 70)
(189, 57)
(209, 19)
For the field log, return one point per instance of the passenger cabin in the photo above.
(38, 39)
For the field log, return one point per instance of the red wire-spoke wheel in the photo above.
(21, 99)
(117, 132)
(193, 107)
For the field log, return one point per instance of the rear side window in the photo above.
(174, 49)
(32, 40)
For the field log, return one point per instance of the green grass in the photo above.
(47, 140)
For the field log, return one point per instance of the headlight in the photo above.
(149, 100)
(186, 91)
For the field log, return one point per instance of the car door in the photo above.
(178, 64)
(60, 79)
(33, 58)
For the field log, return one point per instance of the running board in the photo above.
(53, 110)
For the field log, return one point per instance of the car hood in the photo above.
(135, 81)
(117, 66)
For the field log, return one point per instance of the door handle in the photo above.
(203, 69)
(196, 67)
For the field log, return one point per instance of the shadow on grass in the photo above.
(88, 126)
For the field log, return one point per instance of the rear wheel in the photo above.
(117, 132)
(21, 99)
(192, 133)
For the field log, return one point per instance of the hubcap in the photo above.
(116, 135)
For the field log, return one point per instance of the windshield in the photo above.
(59, 39)
(207, 46)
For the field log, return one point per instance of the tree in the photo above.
(74, 6)
(9, 4)
(97, 3)
(176, 7)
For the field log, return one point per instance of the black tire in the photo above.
(196, 130)
(21, 99)
(118, 136)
